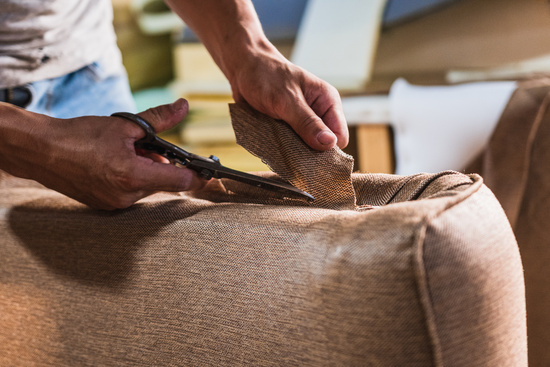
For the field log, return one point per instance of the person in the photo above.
(58, 59)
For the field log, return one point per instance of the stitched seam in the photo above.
(398, 189)
(424, 184)
(421, 273)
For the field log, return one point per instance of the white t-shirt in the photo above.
(42, 39)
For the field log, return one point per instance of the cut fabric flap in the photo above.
(325, 175)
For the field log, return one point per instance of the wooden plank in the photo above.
(374, 148)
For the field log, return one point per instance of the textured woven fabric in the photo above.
(277, 146)
(515, 165)
(422, 270)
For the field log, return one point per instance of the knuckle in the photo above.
(333, 92)
(125, 181)
(154, 115)
(309, 121)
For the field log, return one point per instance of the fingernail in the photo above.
(326, 137)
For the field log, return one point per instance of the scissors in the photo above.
(209, 167)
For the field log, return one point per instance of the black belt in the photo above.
(19, 96)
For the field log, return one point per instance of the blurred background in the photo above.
(362, 47)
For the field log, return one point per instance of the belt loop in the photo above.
(9, 95)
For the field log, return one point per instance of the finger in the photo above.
(152, 156)
(334, 119)
(166, 116)
(325, 101)
(309, 126)
(156, 176)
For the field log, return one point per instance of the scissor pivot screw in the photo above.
(215, 159)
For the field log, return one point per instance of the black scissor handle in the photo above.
(153, 143)
(150, 134)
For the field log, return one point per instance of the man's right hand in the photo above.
(92, 159)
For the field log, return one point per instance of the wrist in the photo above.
(245, 54)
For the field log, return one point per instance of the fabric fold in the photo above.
(506, 161)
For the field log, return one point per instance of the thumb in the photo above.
(310, 127)
(166, 116)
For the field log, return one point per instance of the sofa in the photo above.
(380, 270)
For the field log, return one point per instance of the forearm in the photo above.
(22, 135)
(260, 75)
(229, 29)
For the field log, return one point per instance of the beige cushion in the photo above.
(419, 270)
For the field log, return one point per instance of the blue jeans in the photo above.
(88, 91)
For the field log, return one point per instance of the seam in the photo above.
(398, 189)
(421, 273)
(424, 184)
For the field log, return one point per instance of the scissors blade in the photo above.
(219, 171)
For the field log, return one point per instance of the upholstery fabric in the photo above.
(421, 270)
(265, 138)
(515, 166)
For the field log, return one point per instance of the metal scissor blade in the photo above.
(219, 171)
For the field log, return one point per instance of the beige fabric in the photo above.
(424, 271)
(515, 165)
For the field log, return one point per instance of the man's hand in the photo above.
(282, 90)
(92, 159)
(260, 75)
